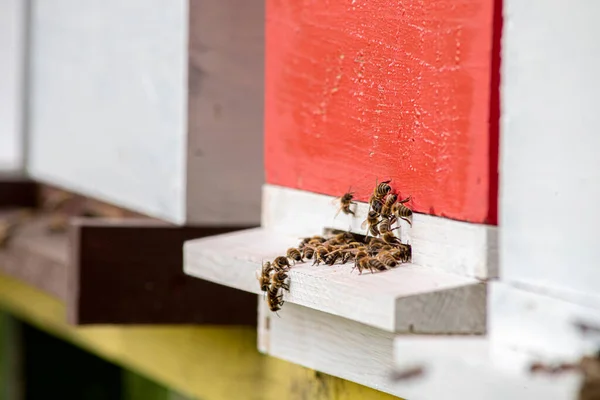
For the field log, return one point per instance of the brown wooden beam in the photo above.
(130, 271)
(17, 192)
(120, 271)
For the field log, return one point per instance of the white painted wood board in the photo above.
(225, 166)
(550, 169)
(407, 298)
(540, 325)
(13, 49)
(452, 246)
(107, 102)
(330, 344)
(461, 368)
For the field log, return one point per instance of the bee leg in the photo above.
(286, 286)
(404, 201)
(407, 220)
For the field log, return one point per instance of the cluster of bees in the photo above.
(380, 251)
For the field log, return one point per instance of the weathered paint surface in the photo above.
(362, 90)
(208, 363)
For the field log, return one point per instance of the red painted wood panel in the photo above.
(385, 89)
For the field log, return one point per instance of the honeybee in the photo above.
(382, 189)
(402, 253)
(294, 255)
(389, 238)
(332, 257)
(375, 204)
(265, 276)
(401, 211)
(388, 203)
(361, 262)
(320, 254)
(377, 264)
(354, 245)
(278, 280)
(308, 252)
(372, 221)
(345, 203)
(344, 237)
(314, 239)
(274, 298)
(387, 259)
(385, 226)
(281, 263)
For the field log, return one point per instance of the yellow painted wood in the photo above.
(210, 363)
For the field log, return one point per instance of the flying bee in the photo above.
(375, 204)
(371, 221)
(389, 238)
(274, 298)
(382, 189)
(388, 203)
(294, 255)
(308, 252)
(281, 263)
(346, 203)
(401, 211)
(385, 225)
(278, 280)
(265, 276)
(377, 264)
(387, 259)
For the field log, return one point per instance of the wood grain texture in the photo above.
(456, 247)
(558, 124)
(204, 362)
(140, 263)
(225, 111)
(542, 323)
(399, 91)
(13, 49)
(37, 258)
(460, 368)
(409, 298)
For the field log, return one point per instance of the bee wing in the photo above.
(364, 224)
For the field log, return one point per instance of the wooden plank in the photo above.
(120, 74)
(37, 257)
(408, 98)
(13, 49)
(452, 246)
(15, 191)
(460, 368)
(205, 362)
(330, 344)
(549, 136)
(225, 111)
(139, 263)
(542, 323)
(407, 298)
